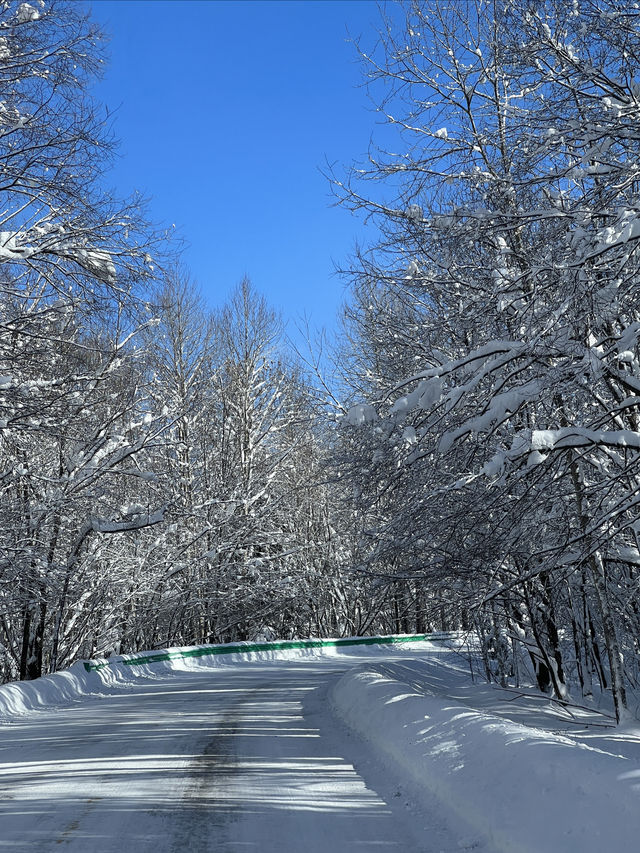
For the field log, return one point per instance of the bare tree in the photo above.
(507, 269)
(73, 267)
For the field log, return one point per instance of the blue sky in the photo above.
(226, 112)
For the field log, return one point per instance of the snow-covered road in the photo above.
(328, 749)
(246, 757)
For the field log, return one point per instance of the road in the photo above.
(240, 758)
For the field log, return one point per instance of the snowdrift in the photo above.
(512, 787)
(521, 789)
(106, 676)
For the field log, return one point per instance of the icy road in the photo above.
(246, 757)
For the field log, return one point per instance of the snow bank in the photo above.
(18, 697)
(103, 677)
(521, 789)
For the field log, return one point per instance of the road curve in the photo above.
(244, 758)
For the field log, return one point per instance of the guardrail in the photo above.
(279, 645)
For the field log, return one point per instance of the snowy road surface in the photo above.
(324, 750)
(241, 758)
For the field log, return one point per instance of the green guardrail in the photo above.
(243, 648)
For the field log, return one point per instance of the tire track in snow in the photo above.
(201, 825)
(66, 836)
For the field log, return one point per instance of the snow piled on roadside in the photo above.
(75, 683)
(520, 789)
(513, 787)
(20, 697)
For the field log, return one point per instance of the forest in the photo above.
(468, 455)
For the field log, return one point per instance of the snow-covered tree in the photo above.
(73, 267)
(509, 447)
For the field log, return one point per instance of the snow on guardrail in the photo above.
(245, 649)
(520, 789)
(100, 677)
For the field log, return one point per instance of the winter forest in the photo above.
(465, 455)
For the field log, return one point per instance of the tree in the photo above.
(260, 417)
(248, 548)
(74, 263)
(510, 445)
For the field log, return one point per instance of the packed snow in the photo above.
(356, 748)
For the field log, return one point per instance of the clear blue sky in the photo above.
(226, 111)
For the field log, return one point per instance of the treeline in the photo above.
(163, 467)
(495, 322)
(176, 475)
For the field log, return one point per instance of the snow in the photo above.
(413, 270)
(426, 395)
(543, 439)
(615, 235)
(26, 13)
(98, 263)
(409, 435)
(415, 212)
(104, 676)
(534, 445)
(502, 778)
(361, 414)
(628, 337)
(349, 748)
(141, 518)
(548, 439)
(10, 249)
